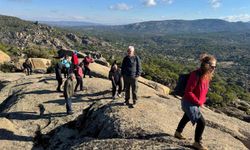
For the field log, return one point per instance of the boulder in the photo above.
(102, 61)
(4, 57)
(162, 89)
(38, 64)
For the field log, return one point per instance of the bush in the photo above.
(215, 99)
(7, 67)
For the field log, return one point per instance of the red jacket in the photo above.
(87, 60)
(196, 89)
(79, 71)
(74, 59)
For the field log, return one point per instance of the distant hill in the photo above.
(178, 26)
(69, 23)
(21, 35)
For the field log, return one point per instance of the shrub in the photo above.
(7, 67)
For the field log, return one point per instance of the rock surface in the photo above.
(100, 122)
(4, 57)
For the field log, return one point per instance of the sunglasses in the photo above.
(211, 66)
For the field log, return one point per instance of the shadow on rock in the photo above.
(9, 135)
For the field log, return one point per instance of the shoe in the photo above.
(119, 95)
(134, 102)
(113, 97)
(70, 112)
(199, 146)
(178, 135)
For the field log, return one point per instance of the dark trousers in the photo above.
(60, 81)
(28, 70)
(66, 72)
(199, 127)
(87, 71)
(130, 82)
(68, 104)
(114, 88)
(79, 82)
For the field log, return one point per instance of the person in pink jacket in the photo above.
(79, 76)
(194, 97)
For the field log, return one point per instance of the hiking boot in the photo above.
(178, 135)
(199, 146)
(113, 97)
(134, 102)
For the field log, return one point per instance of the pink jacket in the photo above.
(196, 90)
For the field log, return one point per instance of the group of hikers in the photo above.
(194, 96)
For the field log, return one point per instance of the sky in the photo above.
(115, 12)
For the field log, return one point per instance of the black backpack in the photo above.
(179, 90)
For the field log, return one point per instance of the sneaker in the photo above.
(119, 95)
(199, 146)
(178, 135)
(70, 112)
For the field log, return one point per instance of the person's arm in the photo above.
(138, 67)
(191, 85)
(123, 66)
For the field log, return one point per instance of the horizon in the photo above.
(125, 11)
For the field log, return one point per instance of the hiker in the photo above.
(68, 92)
(131, 70)
(79, 76)
(87, 60)
(115, 77)
(194, 97)
(58, 71)
(75, 59)
(66, 65)
(27, 66)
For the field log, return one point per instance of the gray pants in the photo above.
(133, 82)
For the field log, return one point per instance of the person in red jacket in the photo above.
(87, 60)
(75, 58)
(194, 97)
(79, 76)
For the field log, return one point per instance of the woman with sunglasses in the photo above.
(194, 97)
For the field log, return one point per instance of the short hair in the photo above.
(132, 48)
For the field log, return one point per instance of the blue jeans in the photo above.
(68, 104)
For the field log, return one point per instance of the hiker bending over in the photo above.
(194, 97)
(115, 77)
(27, 66)
(87, 60)
(79, 76)
(131, 70)
(58, 71)
(68, 92)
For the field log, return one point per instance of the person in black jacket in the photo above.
(115, 77)
(131, 70)
(58, 71)
(27, 66)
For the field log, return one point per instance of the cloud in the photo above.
(120, 6)
(215, 3)
(235, 18)
(20, 1)
(150, 3)
(168, 1)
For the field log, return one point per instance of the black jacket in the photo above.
(131, 66)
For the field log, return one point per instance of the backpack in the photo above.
(179, 90)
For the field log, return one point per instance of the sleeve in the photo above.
(123, 66)
(192, 82)
(138, 66)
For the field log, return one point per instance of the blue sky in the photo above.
(125, 11)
